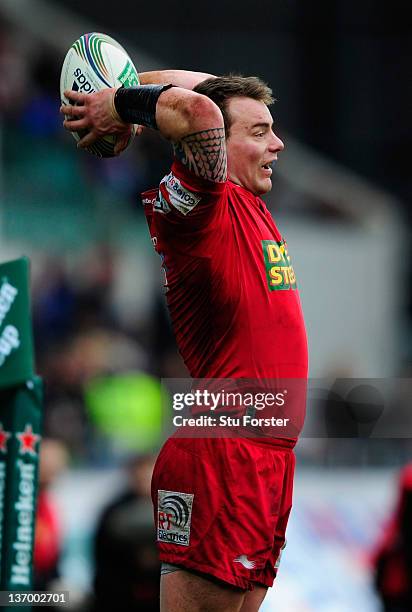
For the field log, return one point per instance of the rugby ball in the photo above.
(93, 62)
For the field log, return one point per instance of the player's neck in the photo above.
(238, 184)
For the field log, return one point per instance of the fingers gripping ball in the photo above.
(95, 62)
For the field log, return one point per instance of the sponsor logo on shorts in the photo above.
(180, 197)
(279, 271)
(174, 516)
(247, 563)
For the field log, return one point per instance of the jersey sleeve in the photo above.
(189, 201)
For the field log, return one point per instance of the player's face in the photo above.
(252, 146)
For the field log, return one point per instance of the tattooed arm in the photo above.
(204, 154)
(182, 117)
(195, 126)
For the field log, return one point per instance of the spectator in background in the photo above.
(54, 306)
(39, 118)
(127, 568)
(14, 73)
(78, 338)
(65, 304)
(47, 543)
(392, 559)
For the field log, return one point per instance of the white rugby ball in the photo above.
(93, 62)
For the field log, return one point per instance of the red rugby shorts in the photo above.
(222, 506)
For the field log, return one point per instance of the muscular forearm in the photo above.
(179, 110)
(191, 121)
(181, 78)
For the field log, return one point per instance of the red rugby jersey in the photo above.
(231, 289)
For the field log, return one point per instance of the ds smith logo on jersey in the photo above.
(279, 272)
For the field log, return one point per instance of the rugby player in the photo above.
(221, 504)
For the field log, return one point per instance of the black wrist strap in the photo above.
(138, 104)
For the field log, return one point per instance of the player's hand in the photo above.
(96, 113)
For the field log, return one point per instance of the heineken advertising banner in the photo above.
(16, 343)
(20, 422)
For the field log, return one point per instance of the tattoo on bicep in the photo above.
(204, 153)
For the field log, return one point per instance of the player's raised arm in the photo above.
(195, 126)
(193, 122)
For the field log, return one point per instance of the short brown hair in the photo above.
(221, 89)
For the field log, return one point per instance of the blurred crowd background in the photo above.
(341, 195)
